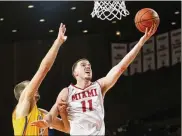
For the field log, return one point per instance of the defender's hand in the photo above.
(40, 123)
(61, 35)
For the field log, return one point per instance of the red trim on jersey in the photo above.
(100, 89)
(81, 88)
(99, 85)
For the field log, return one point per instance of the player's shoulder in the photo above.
(63, 94)
(97, 82)
(64, 91)
(71, 87)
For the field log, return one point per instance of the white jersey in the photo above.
(86, 110)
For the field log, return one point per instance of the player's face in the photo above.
(84, 70)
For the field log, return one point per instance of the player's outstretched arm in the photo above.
(45, 65)
(111, 78)
(23, 106)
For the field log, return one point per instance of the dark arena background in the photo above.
(146, 100)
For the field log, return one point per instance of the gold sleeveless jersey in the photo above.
(22, 125)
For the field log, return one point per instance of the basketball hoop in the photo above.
(109, 9)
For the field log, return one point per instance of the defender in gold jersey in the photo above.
(27, 95)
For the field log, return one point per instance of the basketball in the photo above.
(146, 17)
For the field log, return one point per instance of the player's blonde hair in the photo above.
(75, 64)
(19, 88)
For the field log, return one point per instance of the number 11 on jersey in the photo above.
(84, 105)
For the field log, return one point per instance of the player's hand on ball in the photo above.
(61, 35)
(149, 33)
(40, 124)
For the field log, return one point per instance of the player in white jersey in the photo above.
(86, 109)
(85, 99)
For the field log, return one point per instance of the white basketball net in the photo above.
(107, 9)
